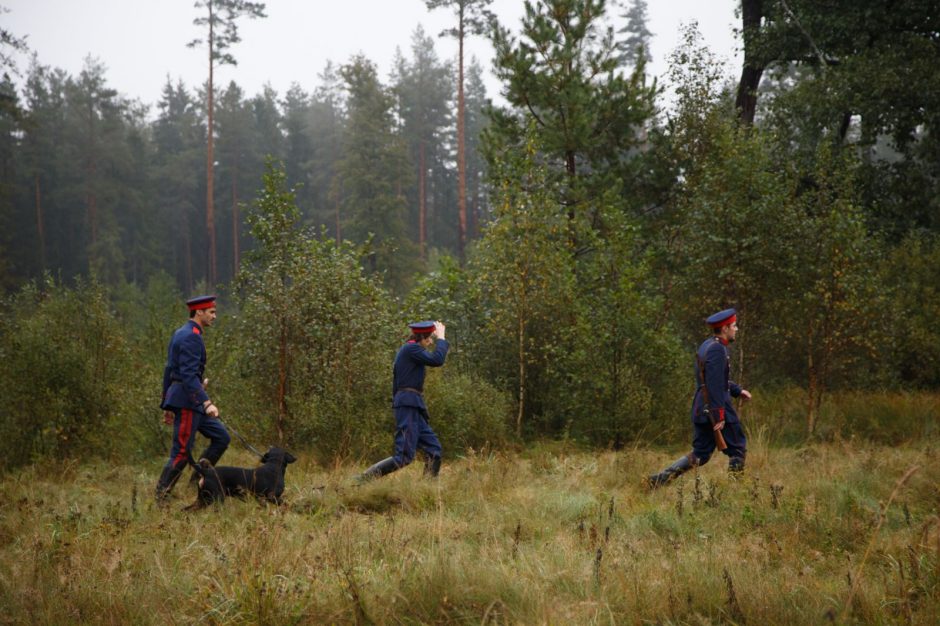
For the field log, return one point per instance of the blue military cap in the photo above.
(201, 302)
(421, 328)
(722, 318)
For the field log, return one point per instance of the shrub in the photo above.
(466, 412)
(306, 357)
(65, 372)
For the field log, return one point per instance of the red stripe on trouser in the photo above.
(186, 429)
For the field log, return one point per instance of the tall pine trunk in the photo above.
(40, 228)
(235, 221)
(210, 161)
(422, 201)
(91, 172)
(461, 157)
(189, 259)
(337, 206)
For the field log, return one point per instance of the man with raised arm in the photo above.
(412, 431)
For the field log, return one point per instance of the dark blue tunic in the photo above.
(185, 366)
(184, 394)
(412, 431)
(721, 389)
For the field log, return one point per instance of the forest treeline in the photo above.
(606, 216)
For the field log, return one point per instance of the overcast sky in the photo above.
(142, 42)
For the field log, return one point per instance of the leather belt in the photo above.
(412, 389)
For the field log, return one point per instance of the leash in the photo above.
(240, 438)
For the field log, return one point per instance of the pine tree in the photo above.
(563, 75)
(374, 169)
(635, 44)
(95, 136)
(239, 166)
(423, 88)
(325, 128)
(473, 18)
(9, 130)
(298, 149)
(476, 104)
(178, 136)
(221, 27)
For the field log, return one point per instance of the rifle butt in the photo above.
(720, 441)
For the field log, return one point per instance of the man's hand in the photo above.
(719, 425)
(210, 409)
(745, 394)
(168, 417)
(439, 329)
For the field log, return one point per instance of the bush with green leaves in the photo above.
(67, 376)
(466, 411)
(558, 314)
(913, 271)
(307, 356)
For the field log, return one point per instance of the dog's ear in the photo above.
(272, 454)
(289, 458)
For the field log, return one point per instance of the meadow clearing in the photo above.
(838, 532)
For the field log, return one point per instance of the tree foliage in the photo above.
(67, 377)
(564, 74)
(308, 356)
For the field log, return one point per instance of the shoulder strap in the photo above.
(701, 369)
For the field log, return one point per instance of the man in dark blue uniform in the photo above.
(714, 419)
(412, 431)
(185, 401)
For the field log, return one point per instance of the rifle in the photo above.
(719, 438)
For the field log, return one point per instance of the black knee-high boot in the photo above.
(736, 466)
(383, 467)
(432, 466)
(678, 468)
(168, 478)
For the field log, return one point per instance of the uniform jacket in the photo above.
(721, 389)
(408, 371)
(185, 366)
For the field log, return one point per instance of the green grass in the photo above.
(546, 536)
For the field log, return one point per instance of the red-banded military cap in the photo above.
(200, 302)
(722, 318)
(421, 328)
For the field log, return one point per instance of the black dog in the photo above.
(265, 481)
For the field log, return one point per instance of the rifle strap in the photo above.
(701, 370)
(705, 406)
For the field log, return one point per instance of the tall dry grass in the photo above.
(547, 536)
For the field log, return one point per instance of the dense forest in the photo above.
(573, 233)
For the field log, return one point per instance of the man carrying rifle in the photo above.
(714, 420)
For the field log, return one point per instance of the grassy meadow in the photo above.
(827, 533)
